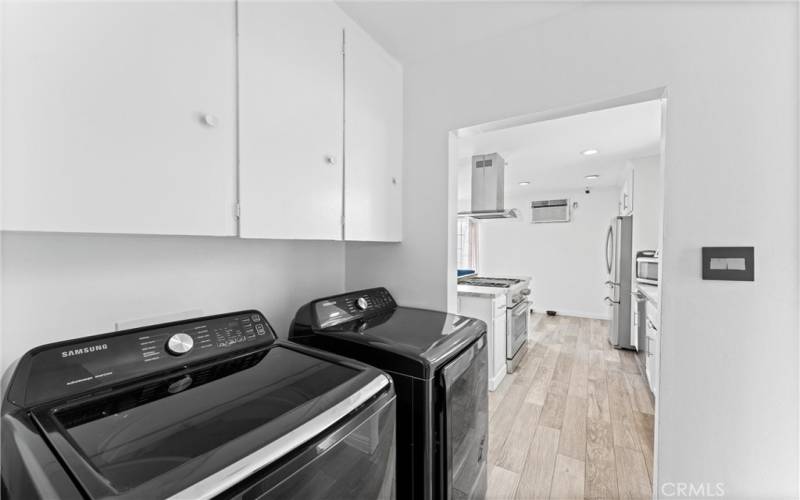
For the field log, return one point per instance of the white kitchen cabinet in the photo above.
(119, 117)
(499, 332)
(373, 140)
(491, 309)
(626, 194)
(653, 347)
(291, 84)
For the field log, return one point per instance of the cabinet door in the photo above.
(373, 140)
(500, 338)
(291, 122)
(499, 306)
(626, 197)
(652, 355)
(119, 117)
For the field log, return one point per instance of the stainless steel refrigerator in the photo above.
(619, 264)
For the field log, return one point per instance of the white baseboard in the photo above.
(494, 382)
(577, 314)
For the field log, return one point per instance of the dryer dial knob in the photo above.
(179, 344)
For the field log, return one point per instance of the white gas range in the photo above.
(517, 293)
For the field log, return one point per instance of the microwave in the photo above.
(647, 267)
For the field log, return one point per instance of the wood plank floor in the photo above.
(574, 421)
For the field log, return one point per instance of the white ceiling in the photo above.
(548, 153)
(414, 30)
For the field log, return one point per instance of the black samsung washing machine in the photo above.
(212, 407)
(438, 362)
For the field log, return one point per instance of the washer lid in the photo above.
(406, 340)
(159, 437)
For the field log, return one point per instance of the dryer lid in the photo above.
(367, 325)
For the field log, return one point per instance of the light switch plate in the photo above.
(729, 263)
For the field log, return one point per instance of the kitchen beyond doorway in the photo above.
(561, 179)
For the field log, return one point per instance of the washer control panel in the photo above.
(348, 307)
(65, 368)
(215, 335)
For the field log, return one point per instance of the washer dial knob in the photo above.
(179, 344)
(362, 303)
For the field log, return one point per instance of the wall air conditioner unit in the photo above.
(550, 211)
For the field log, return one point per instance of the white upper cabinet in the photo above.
(320, 113)
(373, 140)
(626, 194)
(291, 120)
(119, 117)
(131, 117)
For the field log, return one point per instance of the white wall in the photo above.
(729, 397)
(61, 286)
(646, 202)
(565, 260)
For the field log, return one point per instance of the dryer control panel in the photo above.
(64, 369)
(332, 311)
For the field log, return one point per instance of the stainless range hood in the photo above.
(488, 189)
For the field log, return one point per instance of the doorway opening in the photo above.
(560, 214)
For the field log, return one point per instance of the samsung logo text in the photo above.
(84, 350)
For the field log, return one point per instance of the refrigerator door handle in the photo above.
(609, 242)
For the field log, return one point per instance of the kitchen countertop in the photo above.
(650, 292)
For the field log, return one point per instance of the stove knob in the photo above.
(179, 344)
(362, 303)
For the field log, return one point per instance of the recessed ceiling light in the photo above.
(592, 177)
(524, 183)
(589, 152)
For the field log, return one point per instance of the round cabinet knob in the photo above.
(330, 160)
(362, 303)
(179, 344)
(210, 120)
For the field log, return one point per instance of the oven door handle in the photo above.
(520, 308)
